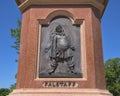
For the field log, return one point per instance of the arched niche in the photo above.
(57, 13)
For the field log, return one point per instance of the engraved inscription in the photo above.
(60, 84)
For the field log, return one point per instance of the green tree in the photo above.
(12, 87)
(112, 69)
(4, 91)
(15, 33)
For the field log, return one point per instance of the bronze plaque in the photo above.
(60, 50)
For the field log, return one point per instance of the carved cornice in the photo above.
(99, 4)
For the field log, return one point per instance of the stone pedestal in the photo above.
(60, 92)
(85, 15)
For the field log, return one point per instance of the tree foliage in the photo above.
(4, 91)
(12, 87)
(112, 69)
(15, 33)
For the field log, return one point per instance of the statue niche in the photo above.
(60, 49)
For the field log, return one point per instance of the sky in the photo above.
(9, 13)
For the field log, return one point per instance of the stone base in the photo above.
(60, 92)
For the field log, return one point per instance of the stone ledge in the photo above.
(99, 4)
(60, 92)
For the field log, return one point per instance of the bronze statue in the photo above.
(60, 50)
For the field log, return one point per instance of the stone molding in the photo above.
(99, 4)
(60, 92)
(60, 13)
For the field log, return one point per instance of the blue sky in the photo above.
(9, 13)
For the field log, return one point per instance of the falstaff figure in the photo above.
(60, 50)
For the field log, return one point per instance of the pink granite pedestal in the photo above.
(86, 13)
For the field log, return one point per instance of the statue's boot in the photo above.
(72, 69)
(52, 69)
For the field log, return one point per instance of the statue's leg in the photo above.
(71, 65)
(53, 66)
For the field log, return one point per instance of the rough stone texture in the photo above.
(60, 92)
